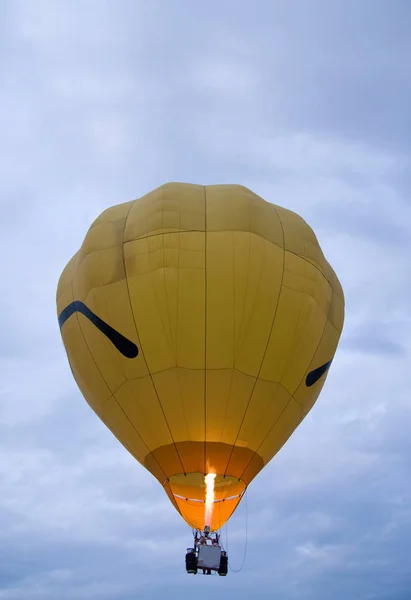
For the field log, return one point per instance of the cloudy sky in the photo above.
(307, 102)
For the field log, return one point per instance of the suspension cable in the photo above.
(246, 539)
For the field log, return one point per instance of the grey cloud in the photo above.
(374, 222)
(373, 344)
(333, 68)
(101, 102)
(376, 337)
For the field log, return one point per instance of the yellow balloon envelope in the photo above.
(200, 323)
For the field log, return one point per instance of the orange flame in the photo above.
(209, 505)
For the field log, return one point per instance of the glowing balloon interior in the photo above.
(200, 323)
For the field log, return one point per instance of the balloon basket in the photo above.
(207, 555)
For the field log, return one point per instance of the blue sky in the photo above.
(306, 103)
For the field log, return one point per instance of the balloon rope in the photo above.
(246, 538)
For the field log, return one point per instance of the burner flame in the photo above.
(209, 503)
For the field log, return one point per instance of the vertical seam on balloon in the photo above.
(177, 326)
(298, 322)
(175, 356)
(235, 304)
(292, 397)
(256, 377)
(240, 337)
(101, 375)
(128, 293)
(264, 241)
(237, 346)
(167, 302)
(265, 351)
(135, 326)
(242, 318)
(84, 337)
(299, 315)
(141, 347)
(205, 329)
(272, 325)
(163, 326)
(108, 344)
(319, 343)
(234, 350)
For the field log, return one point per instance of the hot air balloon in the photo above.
(200, 323)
